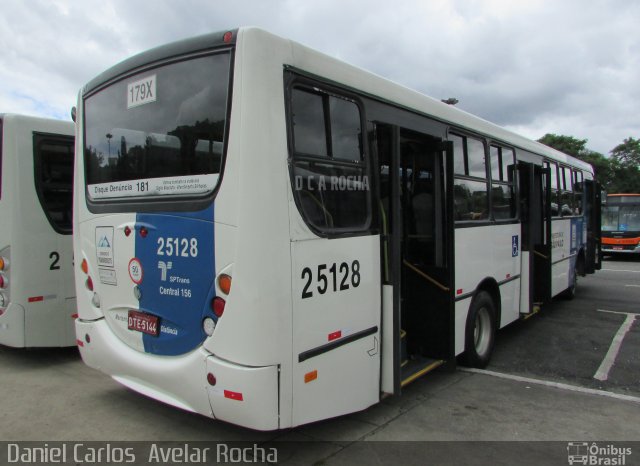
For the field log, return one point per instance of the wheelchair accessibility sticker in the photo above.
(514, 246)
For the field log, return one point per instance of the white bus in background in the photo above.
(268, 236)
(37, 292)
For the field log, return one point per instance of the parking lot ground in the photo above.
(539, 387)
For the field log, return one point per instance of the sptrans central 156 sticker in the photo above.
(171, 186)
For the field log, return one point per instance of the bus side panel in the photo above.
(489, 252)
(336, 326)
(561, 259)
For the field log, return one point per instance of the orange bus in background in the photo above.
(621, 224)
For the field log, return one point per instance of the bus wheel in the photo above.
(480, 331)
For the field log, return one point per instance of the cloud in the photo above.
(534, 66)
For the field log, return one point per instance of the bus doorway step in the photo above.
(413, 369)
(535, 309)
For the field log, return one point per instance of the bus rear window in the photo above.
(159, 132)
(53, 162)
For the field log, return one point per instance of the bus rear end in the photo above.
(37, 296)
(154, 254)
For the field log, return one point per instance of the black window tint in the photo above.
(470, 200)
(458, 154)
(508, 161)
(476, 158)
(345, 129)
(503, 202)
(495, 163)
(308, 123)
(331, 197)
(179, 134)
(330, 180)
(53, 162)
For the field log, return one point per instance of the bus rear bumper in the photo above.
(246, 396)
(12, 326)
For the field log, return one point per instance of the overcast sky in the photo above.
(535, 66)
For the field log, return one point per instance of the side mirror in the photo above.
(73, 113)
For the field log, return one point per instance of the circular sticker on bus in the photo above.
(135, 271)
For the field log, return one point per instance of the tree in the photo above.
(625, 165)
(567, 144)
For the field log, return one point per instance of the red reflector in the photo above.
(335, 335)
(80, 343)
(310, 376)
(459, 291)
(144, 232)
(217, 305)
(233, 395)
(211, 379)
(227, 37)
(35, 299)
(74, 316)
(127, 230)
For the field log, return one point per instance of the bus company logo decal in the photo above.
(164, 266)
(597, 454)
(332, 183)
(104, 246)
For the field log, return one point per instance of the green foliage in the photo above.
(619, 173)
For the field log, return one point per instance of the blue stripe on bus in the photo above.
(177, 285)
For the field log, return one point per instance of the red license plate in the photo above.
(145, 323)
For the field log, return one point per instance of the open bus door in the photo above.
(593, 217)
(416, 184)
(535, 205)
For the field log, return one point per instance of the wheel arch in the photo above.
(490, 285)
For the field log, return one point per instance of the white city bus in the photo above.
(268, 236)
(37, 293)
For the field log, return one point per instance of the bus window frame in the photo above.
(39, 139)
(182, 203)
(294, 80)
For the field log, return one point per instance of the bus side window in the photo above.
(470, 190)
(330, 181)
(553, 167)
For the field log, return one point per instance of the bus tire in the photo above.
(480, 331)
(570, 292)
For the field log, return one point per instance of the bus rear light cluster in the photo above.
(84, 266)
(217, 306)
(224, 283)
(208, 325)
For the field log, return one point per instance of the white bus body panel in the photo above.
(561, 259)
(41, 286)
(482, 253)
(348, 376)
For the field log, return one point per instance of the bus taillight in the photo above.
(4, 263)
(224, 282)
(217, 306)
(3, 283)
(89, 284)
(84, 266)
